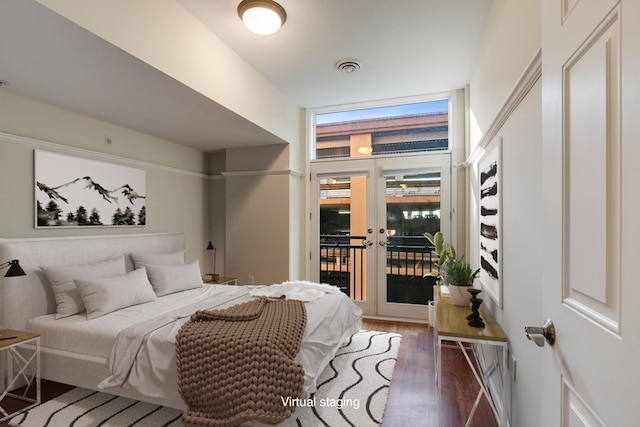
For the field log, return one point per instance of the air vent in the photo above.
(348, 65)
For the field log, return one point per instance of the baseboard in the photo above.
(395, 319)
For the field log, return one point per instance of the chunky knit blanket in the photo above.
(237, 364)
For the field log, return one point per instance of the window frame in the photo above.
(313, 112)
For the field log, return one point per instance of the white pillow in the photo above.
(167, 279)
(102, 296)
(68, 301)
(171, 258)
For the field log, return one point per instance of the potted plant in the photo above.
(461, 277)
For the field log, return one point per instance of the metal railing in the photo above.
(409, 259)
(341, 263)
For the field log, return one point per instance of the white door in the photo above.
(412, 196)
(591, 166)
(376, 211)
(343, 241)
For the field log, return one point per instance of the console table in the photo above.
(451, 326)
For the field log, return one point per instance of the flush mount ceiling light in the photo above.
(365, 149)
(262, 17)
(348, 65)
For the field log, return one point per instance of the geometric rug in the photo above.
(352, 391)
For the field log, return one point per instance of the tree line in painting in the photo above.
(53, 214)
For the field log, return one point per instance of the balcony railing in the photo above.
(342, 263)
(409, 260)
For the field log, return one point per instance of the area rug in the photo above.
(352, 391)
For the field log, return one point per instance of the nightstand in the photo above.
(223, 281)
(27, 360)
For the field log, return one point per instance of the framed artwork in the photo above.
(490, 182)
(77, 192)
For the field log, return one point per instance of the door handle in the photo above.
(367, 243)
(539, 335)
(382, 242)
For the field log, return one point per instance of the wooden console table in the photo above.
(451, 326)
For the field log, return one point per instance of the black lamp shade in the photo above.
(14, 269)
(210, 246)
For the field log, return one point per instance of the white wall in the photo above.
(258, 208)
(298, 247)
(176, 43)
(297, 240)
(257, 216)
(218, 209)
(522, 250)
(174, 174)
(511, 43)
(511, 40)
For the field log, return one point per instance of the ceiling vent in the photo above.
(348, 65)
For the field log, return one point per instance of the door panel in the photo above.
(577, 411)
(412, 207)
(342, 238)
(413, 197)
(590, 177)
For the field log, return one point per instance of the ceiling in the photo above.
(405, 47)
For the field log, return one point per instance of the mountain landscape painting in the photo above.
(77, 192)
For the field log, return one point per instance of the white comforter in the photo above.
(143, 356)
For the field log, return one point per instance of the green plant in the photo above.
(460, 272)
(437, 240)
(441, 256)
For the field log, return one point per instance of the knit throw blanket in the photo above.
(237, 364)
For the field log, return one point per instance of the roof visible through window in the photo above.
(394, 129)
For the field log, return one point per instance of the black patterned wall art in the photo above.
(78, 192)
(489, 169)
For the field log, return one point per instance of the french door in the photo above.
(368, 217)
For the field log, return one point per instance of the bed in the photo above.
(82, 352)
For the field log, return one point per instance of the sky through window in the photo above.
(380, 112)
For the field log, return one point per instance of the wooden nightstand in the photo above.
(27, 360)
(223, 281)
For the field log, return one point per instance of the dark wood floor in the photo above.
(412, 396)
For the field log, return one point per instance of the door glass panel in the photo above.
(413, 207)
(343, 201)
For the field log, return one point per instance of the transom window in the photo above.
(396, 129)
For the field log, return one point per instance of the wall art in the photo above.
(489, 169)
(78, 192)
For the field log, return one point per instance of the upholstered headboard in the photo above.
(25, 297)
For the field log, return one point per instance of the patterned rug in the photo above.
(352, 391)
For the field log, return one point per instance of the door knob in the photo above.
(367, 242)
(539, 335)
(382, 242)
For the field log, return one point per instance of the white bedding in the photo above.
(148, 365)
(96, 337)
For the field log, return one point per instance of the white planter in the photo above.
(459, 295)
